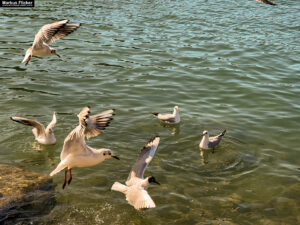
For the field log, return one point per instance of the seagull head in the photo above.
(205, 133)
(53, 52)
(176, 108)
(108, 154)
(152, 179)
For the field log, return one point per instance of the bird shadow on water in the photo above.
(173, 128)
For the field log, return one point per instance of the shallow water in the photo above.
(232, 65)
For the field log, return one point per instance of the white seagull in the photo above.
(46, 36)
(136, 185)
(210, 142)
(169, 118)
(76, 153)
(42, 135)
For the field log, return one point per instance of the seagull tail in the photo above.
(223, 133)
(119, 187)
(155, 114)
(59, 168)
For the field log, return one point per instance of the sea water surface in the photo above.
(231, 65)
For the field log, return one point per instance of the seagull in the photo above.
(75, 152)
(266, 2)
(210, 142)
(169, 118)
(136, 185)
(42, 135)
(46, 36)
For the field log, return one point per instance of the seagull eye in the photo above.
(109, 153)
(104, 153)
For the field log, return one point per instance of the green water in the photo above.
(231, 65)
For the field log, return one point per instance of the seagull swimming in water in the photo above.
(173, 118)
(42, 135)
(210, 142)
(266, 2)
(46, 36)
(136, 185)
(76, 153)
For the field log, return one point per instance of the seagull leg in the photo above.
(28, 59)
(213, 150)
(63, 187)
(70, 179)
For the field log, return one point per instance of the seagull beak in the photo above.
(116, 157)
(58, 55)
(155, 181)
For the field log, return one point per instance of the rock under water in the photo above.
(24, 195)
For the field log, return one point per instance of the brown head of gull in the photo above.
(46, 36)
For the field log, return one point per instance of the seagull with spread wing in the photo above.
(173, 118)
(42, 135)
(76, 153)
(210, 142)
(46, 36)
(136, 184)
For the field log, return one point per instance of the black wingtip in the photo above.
(152, 139)
(18, 121)
(223, 133)
(155, 114)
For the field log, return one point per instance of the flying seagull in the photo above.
(42, 135)
(266, 2)
(173, 118)
(76, 153)
(46, 36)
(136, 185)
(210, 142)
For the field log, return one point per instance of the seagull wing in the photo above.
(52, 123)
(214, 141)
(39, 127)
(168, 118)
(146, 155)
(54, 31)
(96, 124)
(139, 198)
(88, 127)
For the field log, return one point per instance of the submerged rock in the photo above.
(24, 195)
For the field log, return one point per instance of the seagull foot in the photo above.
(69, 181)
(63, 187)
